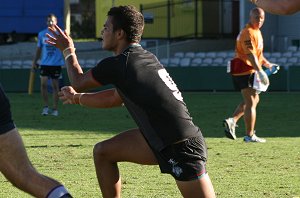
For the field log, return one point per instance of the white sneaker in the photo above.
(45, 111)
(254, 138)
(54, 113)
(230, 125)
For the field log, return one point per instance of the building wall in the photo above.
(103, 6)
(278, 31)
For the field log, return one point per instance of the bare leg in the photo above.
(44, 90)
(17, 168)
(239, 112)
(251, 99)
(55, 88)
(128, 146)
(197, 188)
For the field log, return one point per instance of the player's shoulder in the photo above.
(44, 31)
(112, 60)
(248, 32)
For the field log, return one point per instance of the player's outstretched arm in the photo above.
(80, 81)
(102, 99)
(280, 7)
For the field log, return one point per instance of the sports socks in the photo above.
(59, 192)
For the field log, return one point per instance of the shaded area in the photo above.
(277, 114)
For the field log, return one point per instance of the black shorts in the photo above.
(53, 72)
(6, 122)
(242, 82)
(185, 161)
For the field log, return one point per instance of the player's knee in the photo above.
(100, 151)
(19, 179)
(55, 89)
(44, 85)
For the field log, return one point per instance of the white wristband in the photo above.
(66, 57)
(79, 99)
(68, 50)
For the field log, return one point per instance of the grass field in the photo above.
(61, 147)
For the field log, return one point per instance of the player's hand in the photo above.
(253, 1)
(60, 38)
(35, 66)
(276, 66)
(263, 77)
(67, 94)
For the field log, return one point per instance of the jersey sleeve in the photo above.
(109, 71)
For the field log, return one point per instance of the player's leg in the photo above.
(186, 162)
(239, 82)
(128, 146)
(55, 73)
(17, 168)
(251, 99)
(197, 188)
(44, 93)
(15, 164)
(238, 112)
(55, 89)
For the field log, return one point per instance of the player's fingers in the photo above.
(55, 34)
(63, 88)
(59, 30)
(66, 89)
(66, 102)
(63, 98)
(50, 37)
(50, 42)
(65, 32)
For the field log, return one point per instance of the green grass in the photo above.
(61, 147)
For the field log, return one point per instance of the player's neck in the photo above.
(123, 46)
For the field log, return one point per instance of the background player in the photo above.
(51, 62)
(248, 61)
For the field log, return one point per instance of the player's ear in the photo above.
(121, 33)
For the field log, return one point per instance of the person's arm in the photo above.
(270, 66)
(254, 62)
(78, 79)
(103, 99)
(36, 57)
(280, 7)
(261, 73)
(266, 63)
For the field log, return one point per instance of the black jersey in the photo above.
(149, 94)
(6, 122)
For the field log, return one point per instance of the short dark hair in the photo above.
(51, 15)
(129, 19)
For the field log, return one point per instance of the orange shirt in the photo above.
(249, 41)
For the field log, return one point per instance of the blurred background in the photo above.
(194, 39)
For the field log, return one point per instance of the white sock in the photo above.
(57, 192)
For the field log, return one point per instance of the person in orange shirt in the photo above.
(280, 7)
(247, 63)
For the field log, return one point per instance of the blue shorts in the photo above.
(185, 160)
(6, 122)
